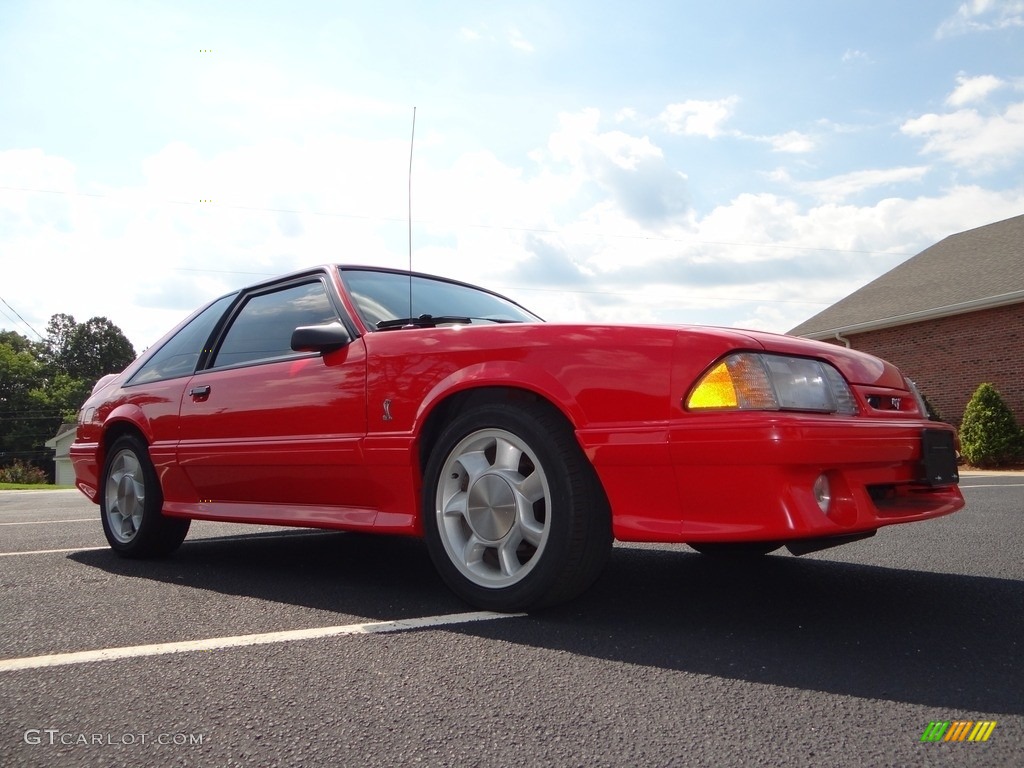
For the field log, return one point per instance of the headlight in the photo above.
(749, 381)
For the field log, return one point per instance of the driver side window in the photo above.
(262, 327)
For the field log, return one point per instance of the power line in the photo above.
(23, 320)
(10, 319)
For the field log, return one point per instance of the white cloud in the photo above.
(517, 41)
(251, 99)
(792, 142)
(708, 118)
(698, 118)
(512, 36)
(970, 139)
(593, 226)
(764, 261)
(983, 16)
(838, 188)
(33, 167)
(970, 89)
(302, 142)
(158, 252)
(632, 169)
(851, 54)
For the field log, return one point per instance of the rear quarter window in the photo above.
(180, 355)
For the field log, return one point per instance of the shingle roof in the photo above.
(976, 269)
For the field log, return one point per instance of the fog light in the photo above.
(822, 493)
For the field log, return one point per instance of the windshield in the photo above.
(384, 296)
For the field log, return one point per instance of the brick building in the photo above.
(951, 318)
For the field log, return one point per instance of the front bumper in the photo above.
(85, 460)
(750, 477)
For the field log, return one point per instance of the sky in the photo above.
(738, 163)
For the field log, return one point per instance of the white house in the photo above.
(60, 443)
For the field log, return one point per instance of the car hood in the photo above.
(856, 367)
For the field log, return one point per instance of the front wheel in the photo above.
(130, 504)
(514, 515)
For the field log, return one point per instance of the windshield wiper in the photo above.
(423, 321)
(432, 321)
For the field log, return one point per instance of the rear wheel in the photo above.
(514, 515)
(130, 504)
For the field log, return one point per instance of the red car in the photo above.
(369, 399)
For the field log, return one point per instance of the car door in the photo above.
(265, 425)
(158, 386)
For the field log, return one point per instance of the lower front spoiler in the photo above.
(806, 546)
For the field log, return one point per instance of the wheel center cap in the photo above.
(492, 508)
(126, 491)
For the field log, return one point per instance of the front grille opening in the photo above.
(886, 402)
(905, 498)
(882, 495)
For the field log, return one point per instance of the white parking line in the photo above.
(1004, 485)
(51, 522)
(52, 551)
(37, 491)
(238, 641)
(241, 537)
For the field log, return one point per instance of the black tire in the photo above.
(514, 516)
(131, 501)
(734, 548)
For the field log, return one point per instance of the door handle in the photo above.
(200, 393)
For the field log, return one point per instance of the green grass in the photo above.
(34, 487)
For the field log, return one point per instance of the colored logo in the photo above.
(958, 730)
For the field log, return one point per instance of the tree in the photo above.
(43, 384)
(98, 347)
(20, 374)
(17, 342)
(989, 435)
(54, 351)
(86, 350)
(61, 397)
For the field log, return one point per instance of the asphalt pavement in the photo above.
(269, 646)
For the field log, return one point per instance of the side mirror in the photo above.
(320, 338)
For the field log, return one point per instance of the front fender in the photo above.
(502, 373)
(129, 414)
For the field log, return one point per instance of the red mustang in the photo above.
(368, 399)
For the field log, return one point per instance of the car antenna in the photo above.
(412, 140)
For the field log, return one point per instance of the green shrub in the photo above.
(24, 474)
(989, 435)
